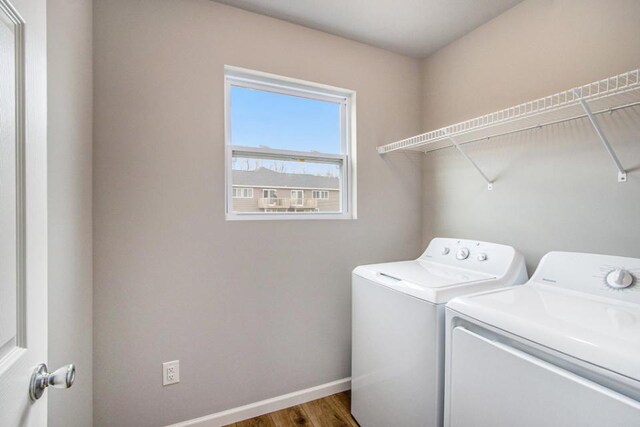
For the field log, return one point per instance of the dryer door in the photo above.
(494, 385)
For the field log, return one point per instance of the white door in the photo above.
(297, 198)
(23, 208)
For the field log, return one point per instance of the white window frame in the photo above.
(245, 192)
(320, 193)
(235, 76)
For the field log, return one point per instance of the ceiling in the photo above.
(416, 28)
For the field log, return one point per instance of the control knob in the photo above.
(482, 256)
(619, 279)
(463, 253)
(445, 251)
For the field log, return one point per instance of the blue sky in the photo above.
(282, 121)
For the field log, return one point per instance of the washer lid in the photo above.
(601, 331)
(426, 280)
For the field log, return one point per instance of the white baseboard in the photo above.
(262, 407)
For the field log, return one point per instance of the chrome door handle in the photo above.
(41, 379)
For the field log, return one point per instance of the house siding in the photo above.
(332, 204)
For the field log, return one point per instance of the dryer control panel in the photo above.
(603, 275)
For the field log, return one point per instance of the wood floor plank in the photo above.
(343, 400)
(331, 411)
(261, 421)
(294, 416)
(324, 414)
(341, 403)
(280, 418)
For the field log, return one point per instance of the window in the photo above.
(286, 137)
(320, 194)
(269, 194)
(242, 193)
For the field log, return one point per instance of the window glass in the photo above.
(273, 120)
(283, 185)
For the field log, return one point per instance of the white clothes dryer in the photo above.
(561, 351)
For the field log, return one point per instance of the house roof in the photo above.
(265, 178)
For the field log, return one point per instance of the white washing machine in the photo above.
(561, 351)
(398, 327)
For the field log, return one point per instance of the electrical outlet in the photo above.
(171, 372)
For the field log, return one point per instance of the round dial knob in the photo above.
(463, 253)
(445, 251)
(619, 279)
(482, 257)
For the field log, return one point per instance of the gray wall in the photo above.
(249, 314)
(69, 51)
(556, 188)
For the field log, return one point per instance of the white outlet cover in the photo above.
(171, 372)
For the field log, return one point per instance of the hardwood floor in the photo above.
(331, 411)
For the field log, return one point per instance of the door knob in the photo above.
(41, 379)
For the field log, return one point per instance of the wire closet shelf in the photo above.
(595, 98)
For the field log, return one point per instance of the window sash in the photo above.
(260, 81)
(277, 154)
(296, 195)
(285, 155)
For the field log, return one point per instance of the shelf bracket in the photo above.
(622, 174)
(470, 160)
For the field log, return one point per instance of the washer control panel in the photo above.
(604, 275)
(485, 257)
(463, 253)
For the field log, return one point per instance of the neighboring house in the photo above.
(265, 190)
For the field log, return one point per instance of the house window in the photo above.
(242, 193)
(320, 194)
(288, 136)
(269, 194)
